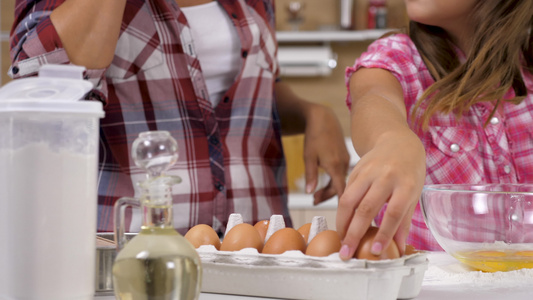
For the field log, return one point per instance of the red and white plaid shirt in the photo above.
(458, 151)
(230, 156)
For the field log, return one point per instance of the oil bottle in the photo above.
(158, 263)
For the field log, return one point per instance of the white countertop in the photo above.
(447, 279)
(305, 201)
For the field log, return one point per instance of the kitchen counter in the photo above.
(446, 279)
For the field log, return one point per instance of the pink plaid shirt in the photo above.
(230, 156)
(458, 151)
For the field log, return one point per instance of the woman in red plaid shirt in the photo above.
(206, 71)
(450, 101)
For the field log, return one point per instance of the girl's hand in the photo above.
(394, 172)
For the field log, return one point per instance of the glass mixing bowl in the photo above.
(488, 227)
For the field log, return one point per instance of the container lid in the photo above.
(58, 88)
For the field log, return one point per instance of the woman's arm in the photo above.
(391, 168)
(89, 30)
(324, 141)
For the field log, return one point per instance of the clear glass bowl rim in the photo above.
(517, 188)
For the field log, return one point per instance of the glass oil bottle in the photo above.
(158, 263)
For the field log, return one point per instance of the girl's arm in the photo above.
(391, 168)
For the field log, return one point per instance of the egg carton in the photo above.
(294, 275)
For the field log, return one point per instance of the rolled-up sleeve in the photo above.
(34, 42)
(396, 54)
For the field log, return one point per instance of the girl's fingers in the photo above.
(348, 202)
(395, 214)
(361, 220)
(403, 231)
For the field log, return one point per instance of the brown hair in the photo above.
(502, 44)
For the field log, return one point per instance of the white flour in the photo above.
(442, 272)
(48, 202)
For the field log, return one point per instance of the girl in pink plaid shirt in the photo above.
(450, 101)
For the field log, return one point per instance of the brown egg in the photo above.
(304, 231)
(203, 234)
(283, 240)
(242, 236)
(262, 227)
(410, 249)
(324, 243)
(363, 250)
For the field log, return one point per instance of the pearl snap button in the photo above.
(454, 147)
(507, 169)
(494, 121)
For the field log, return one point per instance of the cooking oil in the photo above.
(494, 261)
(157, 264)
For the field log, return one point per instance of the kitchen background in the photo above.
(314, 52)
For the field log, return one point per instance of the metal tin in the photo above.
(105, 257)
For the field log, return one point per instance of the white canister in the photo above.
(48, 187)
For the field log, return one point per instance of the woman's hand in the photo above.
(324, 144)
(324, 147)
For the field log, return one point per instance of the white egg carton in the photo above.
(294, 275)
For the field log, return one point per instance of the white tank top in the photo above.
(217, 46)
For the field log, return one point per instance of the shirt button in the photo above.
(234, 15)
(244, 54)
(219, 187)
(454, 147)
(226, 99)
(213, 140)
(507, 169)
(15, 70)
(494, 121)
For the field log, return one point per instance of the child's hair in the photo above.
(501, 45)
